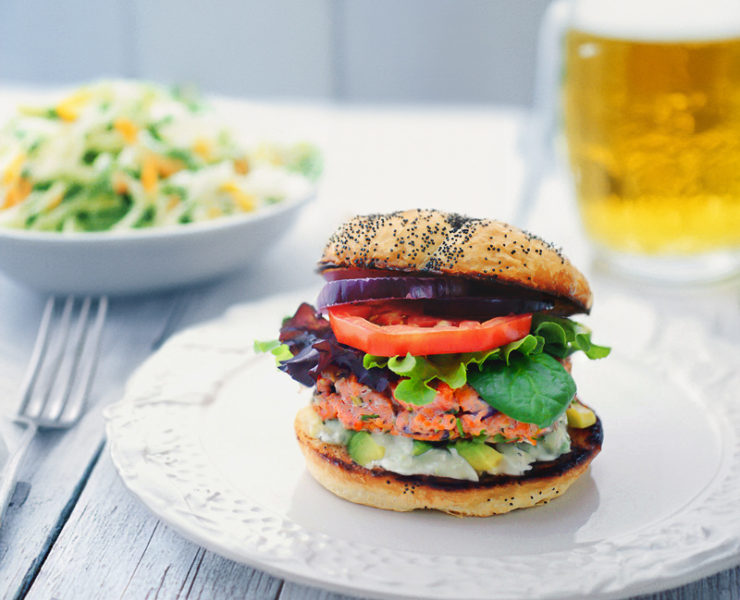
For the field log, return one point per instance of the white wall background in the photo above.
(461, 51)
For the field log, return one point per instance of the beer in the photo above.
(653, 131)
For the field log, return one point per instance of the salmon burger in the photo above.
(439, 353)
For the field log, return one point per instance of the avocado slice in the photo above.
(421, 447)
(363, 449)
(481, 457)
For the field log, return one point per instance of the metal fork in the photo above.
(59, 374)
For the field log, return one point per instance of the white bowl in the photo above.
(142, 260)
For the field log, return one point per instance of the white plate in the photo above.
(204, 438)
(141, 260)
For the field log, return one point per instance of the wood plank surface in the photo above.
(723, 586)
(129, 554)
(292, 591)
(58, 462)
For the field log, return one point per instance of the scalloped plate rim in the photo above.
(201, 536)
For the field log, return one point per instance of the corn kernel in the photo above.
(579, 416)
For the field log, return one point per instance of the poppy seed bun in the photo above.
(430, 241)
(333, 468)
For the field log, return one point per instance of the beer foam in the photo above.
(659, 20)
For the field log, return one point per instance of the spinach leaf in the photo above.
(532, 389)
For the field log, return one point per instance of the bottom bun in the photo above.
(332, 467)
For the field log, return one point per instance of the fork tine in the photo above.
(57, 341)
(37, 356)
(87, 362)
(71, 351)
(78, 368)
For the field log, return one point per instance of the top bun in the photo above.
(431, 241)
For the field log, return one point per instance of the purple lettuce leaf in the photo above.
(315, 348)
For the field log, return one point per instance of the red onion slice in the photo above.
(444, 297)
(358, 273)
(347, 291)
(481, 309)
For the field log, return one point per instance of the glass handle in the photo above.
(539, 132)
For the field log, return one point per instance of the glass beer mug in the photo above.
(650, 97)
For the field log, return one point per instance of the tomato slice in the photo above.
(396, 328)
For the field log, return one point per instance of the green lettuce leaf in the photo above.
(417, 372)
(521, 379)
(415, 391)
(563, 337)
(280, 351)
(532, 389)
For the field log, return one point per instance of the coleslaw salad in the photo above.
(123, 155)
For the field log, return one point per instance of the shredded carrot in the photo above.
(127, 128)
(168, 166)
(149, 175)
(13, 170)
(17, 193)
(241, 166)
(24, 188)
(174, 200)
(120, 186)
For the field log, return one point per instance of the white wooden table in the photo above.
(73, 530)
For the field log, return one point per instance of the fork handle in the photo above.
(10, 472)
